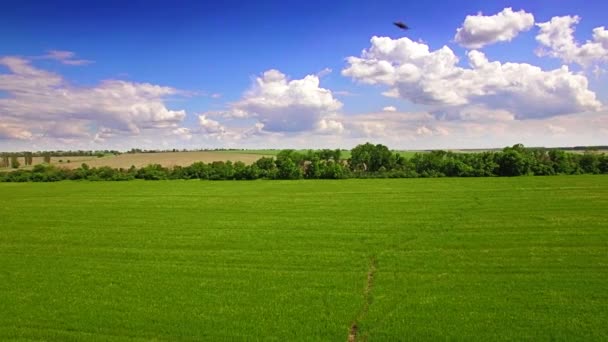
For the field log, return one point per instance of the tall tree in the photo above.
(4, 160)
(15, 162)
(28, 156)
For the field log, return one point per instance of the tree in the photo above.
(590, 162)
(333, 170)
(431, 164)
(4, 161)
(337, 155)
(28, 156)
(152, 172)
(371, 158)
(562, 162)
(603, 163)
(220, 170)
(287, 169)
(513, 162)
(266, 167)
(15, 162)
(313, 169)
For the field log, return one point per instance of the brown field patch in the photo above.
(166, 159)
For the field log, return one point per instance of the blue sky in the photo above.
(210, 53)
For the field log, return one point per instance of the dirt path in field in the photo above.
(367, 301)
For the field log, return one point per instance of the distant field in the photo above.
(75, 160)
(187, 158)
(345, 153)
(171, 159)
(143, 159)
(484, 259)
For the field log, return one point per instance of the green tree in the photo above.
(15, 162)
(369, 157)
(266, 167)
(313, 169)
(337, 155)
(28, 158)
(514, 161)
(4, 160)
(287, 169)
(603, 163)
(562, 162)
(590, 162)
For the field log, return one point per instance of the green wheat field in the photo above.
(485, 259)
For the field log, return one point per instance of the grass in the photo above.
(460, 259)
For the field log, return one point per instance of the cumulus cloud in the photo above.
(48, 103)
(479, 30)
(183, 132)
(389, 109)
(210, 126)
(330, 126)
(413, 72)
(557, 39)
(283, 105)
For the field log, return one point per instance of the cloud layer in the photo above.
(412, 72)
(454, 101)
(479, 30)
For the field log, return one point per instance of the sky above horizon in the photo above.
(302, 74)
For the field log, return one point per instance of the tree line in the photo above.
(366, 161)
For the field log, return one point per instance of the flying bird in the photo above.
(401, 25)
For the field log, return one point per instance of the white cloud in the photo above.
(284, 105)
(557, 35)
(65, 57)
(324, 72)
(210, 126)
(423, 130)
(479, 30)
(330, 126)
(47, 103)
(183, 132)
(413, 72)
(343, 93)
(389, 109)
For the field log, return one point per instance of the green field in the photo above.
(406, 259)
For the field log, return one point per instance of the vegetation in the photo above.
(491, 259)
(15, 162)
(366, 161)
(29, 158)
